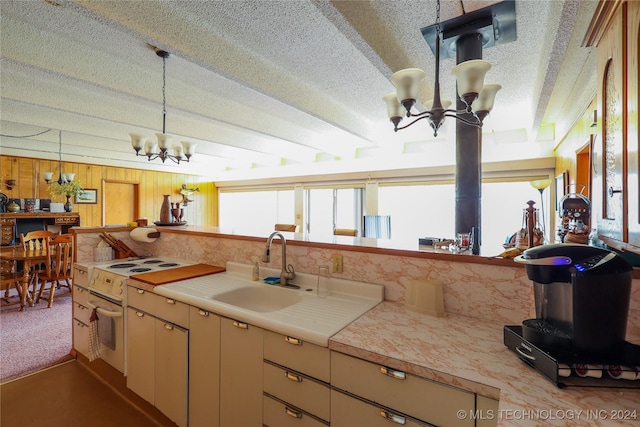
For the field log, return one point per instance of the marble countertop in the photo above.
(469, 353)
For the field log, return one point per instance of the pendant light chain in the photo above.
(164, 95)
(60, 181)
(438, 17)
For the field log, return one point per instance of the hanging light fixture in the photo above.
(64, 177)
(160, 150)
(477, 97)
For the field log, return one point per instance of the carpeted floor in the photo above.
(36, 338)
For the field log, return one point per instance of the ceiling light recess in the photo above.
(160, 150)
(478, 98)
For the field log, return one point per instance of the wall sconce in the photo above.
(10, 183)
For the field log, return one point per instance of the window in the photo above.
(428, 210)
(256, 211)
(329, 208)
(418, 210)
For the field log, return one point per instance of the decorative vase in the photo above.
(165, 210)
(68, 207)
(13, 207)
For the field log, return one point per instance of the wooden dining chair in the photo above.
(345, 232)
(58, 266)
(286, 227)
(9, 277)
(35, 239)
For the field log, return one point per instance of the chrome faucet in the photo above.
(286, 272)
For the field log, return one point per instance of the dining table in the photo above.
(29, 259)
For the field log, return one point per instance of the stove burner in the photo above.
(152, 261)
(169, 264)
(139, 270)
(123, 265)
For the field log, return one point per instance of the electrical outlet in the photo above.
(336, 263)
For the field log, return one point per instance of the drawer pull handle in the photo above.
(139, 314)
(292, 413)
(393, 417)
(293, 377)
(140, 291)
(292, 340)
(399, 375)
(528, 356)
(240, 325)
(168, 327)
(203, 313)
(171, 301)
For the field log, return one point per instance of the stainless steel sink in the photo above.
(261, 299)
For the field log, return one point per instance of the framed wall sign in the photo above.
(88, 195)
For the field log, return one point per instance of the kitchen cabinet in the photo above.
(7, 226)
(81, 311)
(141, 342)
(395, 394)
(296, 382)
(204, 368)
(158, 352)
(241, 358)
(616, 185)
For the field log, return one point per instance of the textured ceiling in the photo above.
(271, 88)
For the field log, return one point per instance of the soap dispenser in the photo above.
(256, 271)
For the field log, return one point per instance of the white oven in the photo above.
(108, 296)
(110, 329)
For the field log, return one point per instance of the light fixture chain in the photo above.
(164, 95)
(438, 16)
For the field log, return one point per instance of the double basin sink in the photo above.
(301, 311)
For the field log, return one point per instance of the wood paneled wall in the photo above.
(567, 151)
(152, 185)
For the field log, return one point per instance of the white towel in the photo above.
(94, 341)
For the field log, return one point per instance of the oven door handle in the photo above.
(107, 313)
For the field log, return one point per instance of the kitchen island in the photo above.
(464, 349)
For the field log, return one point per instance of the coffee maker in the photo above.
(581, 297)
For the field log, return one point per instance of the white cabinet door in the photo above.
(240, 374)
(141, 353)
(204, 368)
(171, 371)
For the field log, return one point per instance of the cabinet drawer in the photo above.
(298, 390)
(165, 308)
(347, 411)
(418, 397)
(298, 355)
(80, 294)
(141, 299)
(80, 276)
(81, 337)
(81, 312)
(278, 414)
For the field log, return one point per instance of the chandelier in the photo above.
(478, 98)
(160, 150)
(64, 177)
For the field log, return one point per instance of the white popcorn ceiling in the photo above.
(273, 86)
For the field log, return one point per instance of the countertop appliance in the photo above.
(581, 297)
(108, 296)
